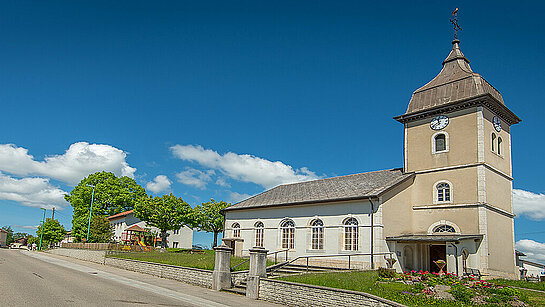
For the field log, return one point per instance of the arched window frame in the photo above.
(287, 234)
(236, 230)
(259, 233)
(434, 226)
(437, 195)
(434, 144)
(444, 228)
(317, 234)
(494, 138)
(500, 141)
(351, 234)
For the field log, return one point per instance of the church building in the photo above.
(451, 201)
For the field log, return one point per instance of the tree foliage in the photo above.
(166, 213)
(112, 195)
(208, 217)
(53, 232)
(100, 230)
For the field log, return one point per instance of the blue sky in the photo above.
(225, 99)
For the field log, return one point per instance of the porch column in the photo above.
(221, 277)
(258, 269)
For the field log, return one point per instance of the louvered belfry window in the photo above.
(440, 142)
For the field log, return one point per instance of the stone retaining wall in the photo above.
(192, 276)
(296, 294)
(81, 254)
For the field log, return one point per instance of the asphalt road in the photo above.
(38, 279)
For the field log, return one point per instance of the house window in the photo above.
(444, 228)
(236, 230)
(259, 234)
(175, 244)
(176, 231)
(288, 234)
(351, 234)
(493, 142)
(317, 233)
(443, 192)
(499, 146)
(440, 142)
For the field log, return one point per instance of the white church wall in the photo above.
(302, 216)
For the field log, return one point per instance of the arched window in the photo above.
(351, 234)
(444, 228)
(259, 234)
(465, 256)
(236, 230)
(493, 142)
(288, 234)
(317, 233)
(440, 142)
(443, 192)
(499, 146)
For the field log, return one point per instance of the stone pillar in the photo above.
(258, 269)
(221, 278)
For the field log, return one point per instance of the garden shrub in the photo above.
(461, 293)
(386, 273)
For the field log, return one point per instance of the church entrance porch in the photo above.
(420, 252)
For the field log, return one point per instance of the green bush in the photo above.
(461, 293)
(386, 273)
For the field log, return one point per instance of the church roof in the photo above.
(350, 187)
(455, 82)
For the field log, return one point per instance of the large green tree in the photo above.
(112, 195)
(166, 213)
(100, 231)
(53, 232)
(208, 217)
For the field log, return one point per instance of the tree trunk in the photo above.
(163, 241)
(215, 239)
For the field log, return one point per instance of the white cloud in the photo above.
(79, 160)
(195, 177)
(222, 182)
(26, 226)
(32, 192)
(235, 197)
(159, 184)
(246, 168)
(529, 204)
(535, 251)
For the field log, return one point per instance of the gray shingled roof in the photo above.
(357, 186)
(455, 82)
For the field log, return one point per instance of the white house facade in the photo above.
(181, 238)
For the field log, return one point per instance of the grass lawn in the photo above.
(369, 282)
(520, 283)
(183, 258)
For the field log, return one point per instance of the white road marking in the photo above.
(129, 282)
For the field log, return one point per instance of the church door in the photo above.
(437, 252)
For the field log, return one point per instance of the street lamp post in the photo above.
(42, 232)
(90, 211)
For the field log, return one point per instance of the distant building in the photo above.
(451, 201)
(3, 237)
(125, 222)
(532, 269)
(68, 238)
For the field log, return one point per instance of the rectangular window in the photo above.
(288, 238)
(351, 238)
(259, 237)
(317, 238)
(175, 244)
(440, 195)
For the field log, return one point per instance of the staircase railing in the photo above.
(275, 268)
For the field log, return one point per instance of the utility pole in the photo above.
(42, 232)
(90, 211)
(53, 215)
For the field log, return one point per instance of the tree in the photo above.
(166, 213)
(208, 217)
(53, 232)
(9, 237)
(100, 230)
(112, 195)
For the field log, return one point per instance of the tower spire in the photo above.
(454, 22)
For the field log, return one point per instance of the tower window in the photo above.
(444, 228)
(499, 146)
(443, 192)
(440, 142)
(493, 142)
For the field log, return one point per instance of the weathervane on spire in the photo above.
(454, 22)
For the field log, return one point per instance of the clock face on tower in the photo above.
(439, 122)
(497, 123)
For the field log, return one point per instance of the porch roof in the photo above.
(433, 238)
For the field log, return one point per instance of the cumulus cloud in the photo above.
(159, 184)
(222, 182)
(235, 197)
(79, 160)
(246, 168)
(535, 251)
(195, 177)
(529, 204)
(32, 192)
